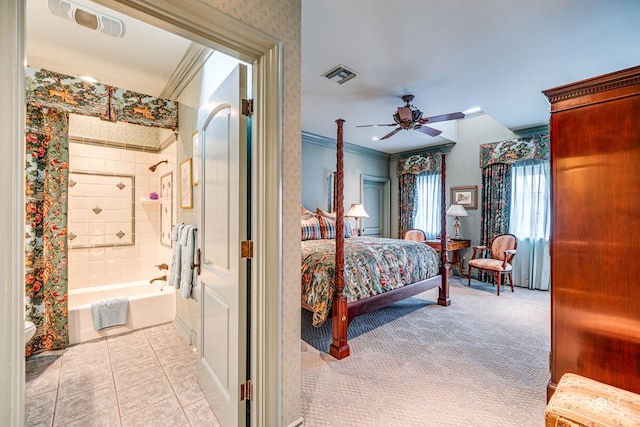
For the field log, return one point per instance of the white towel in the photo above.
(188, 277)
(176, 256)
(109, 312)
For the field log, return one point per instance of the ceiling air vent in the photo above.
(86, 17)
(340, 73)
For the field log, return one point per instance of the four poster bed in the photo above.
(378, 273)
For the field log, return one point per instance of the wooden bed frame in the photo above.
(343, 311)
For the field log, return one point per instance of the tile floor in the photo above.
(142, 378)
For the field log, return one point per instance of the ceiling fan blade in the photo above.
(442, 118)
(427, 130)
(369, 126)
(393, 132)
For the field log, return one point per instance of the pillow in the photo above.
(325, 214)
(328, 228)
(306, 213)
(310, 229)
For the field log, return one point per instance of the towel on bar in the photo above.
(188, 276)
(176, 256)
(109, 312)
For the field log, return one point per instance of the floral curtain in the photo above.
(407, 170)
(47, 171)
(406, 205)
(496, 203)
(535, 147)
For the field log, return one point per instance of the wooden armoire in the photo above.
(595, 241)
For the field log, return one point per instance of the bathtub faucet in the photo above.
(163, 266)
(158, 278)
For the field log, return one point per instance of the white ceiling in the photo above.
(451, 54)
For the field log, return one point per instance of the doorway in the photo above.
(188, 18)
(375, 195)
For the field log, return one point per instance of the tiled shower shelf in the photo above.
(146, 200)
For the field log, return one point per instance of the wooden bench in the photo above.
(580, 401)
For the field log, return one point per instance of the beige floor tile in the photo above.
(182, 377)
(39, 406)
(130, 340)
(125, 358)
(167, 413)
(137, 374)
(83, 404)
(144, 394)
(176, 354)
(201, 415)
(44, 381)
(44, 421)
(106, 418)
(85, 377)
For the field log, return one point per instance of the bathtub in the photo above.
(149, 305)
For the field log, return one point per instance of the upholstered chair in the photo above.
(415, 235)
(495, 258)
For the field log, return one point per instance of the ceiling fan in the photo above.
(410, 118)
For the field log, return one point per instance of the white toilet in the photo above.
(29, 330)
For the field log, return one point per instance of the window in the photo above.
(530, 200)
(427, 203)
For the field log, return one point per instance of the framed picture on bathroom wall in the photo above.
(186, 190)
(196, 158)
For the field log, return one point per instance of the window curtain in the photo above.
(408, 169)
(530, 221)
(496, 204)
(406, 205)
(427, 217)
(47, 172)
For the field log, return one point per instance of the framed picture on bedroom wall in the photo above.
(466, 197)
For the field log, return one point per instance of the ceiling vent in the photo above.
(340, 73)
(86, 17)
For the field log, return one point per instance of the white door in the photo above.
(375, 198)
(222, 284)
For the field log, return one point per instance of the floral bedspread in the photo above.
(372, 265)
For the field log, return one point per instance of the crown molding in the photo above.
(323, 141)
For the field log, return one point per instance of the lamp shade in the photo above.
(357, 211)
(457, 210)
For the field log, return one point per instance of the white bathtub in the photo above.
(149, 304)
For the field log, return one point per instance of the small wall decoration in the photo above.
(465, 196)
(186, 190)
(166, 208)
(196, 158)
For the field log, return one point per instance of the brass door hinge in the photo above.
(247, 249)
(247, 107)
(246, 391)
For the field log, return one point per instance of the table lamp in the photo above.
(357, 211)
(456, 211)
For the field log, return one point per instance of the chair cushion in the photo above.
(490, 264)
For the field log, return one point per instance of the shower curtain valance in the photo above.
(419, 163)
(535, 147)
(72, 95)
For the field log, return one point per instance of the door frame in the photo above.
(190, 19)
(386, 219)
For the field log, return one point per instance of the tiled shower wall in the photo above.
(101, 265)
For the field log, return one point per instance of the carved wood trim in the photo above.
(623, 83)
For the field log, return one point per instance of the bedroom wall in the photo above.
(319, 161)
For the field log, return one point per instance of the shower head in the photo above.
(152, 168)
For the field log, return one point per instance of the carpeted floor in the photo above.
(483, 361)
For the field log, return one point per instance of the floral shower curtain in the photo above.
(47, 171)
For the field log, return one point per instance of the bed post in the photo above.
(443, 295)
(340, 322)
